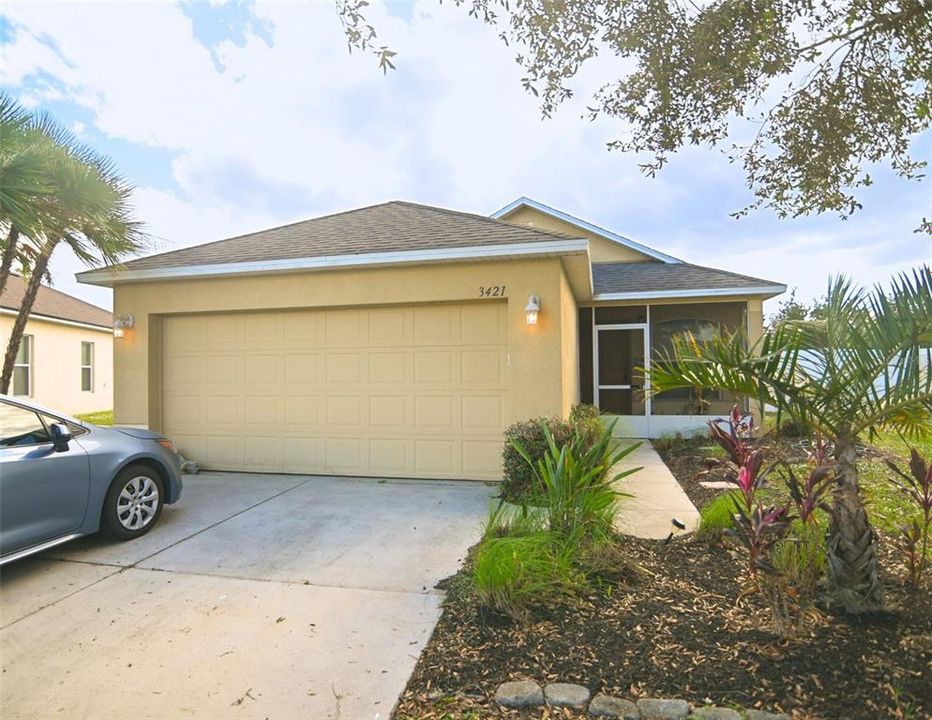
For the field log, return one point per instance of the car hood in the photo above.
(139, 433)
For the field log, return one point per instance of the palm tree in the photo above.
(68, 194)
(865, 366)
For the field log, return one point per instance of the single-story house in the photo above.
(65, 359)
(399, 340)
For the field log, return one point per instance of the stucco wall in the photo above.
(540, 382)
(600, 249)
(56, 365)
(569, 347)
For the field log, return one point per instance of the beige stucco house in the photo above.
(65, 359)
(399, 340)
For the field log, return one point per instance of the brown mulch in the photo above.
(680, 630)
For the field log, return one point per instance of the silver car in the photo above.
(61, 478)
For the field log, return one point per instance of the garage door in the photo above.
(414, 391)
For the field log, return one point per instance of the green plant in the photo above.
(516, 574)
(800, 560)
(668, 441)
(577, 482)
(861, 367)
(717, 515)
(586, 420)
(518, 479)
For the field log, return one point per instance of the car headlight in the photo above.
(168, 445)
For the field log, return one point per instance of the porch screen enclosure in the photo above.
(618, 342)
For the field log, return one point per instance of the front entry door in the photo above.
(620, 388)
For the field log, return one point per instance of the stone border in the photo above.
(527, 693)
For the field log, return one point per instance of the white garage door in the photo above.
(412, 391)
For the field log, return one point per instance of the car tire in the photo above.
(133, 503)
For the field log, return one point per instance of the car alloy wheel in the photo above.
(137, 503)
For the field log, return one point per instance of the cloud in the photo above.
(233, 117)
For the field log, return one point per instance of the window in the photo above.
(87, 367)
(19, 426)
(686, 401)
(22, 368)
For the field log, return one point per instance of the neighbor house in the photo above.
(65, 359)
(399, 339)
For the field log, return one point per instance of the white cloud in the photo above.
(302, 127)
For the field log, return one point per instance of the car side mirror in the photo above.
(61, 436)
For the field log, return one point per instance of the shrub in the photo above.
(668, 441)
(800, 559)
(717, 515)
(793, 428)
(516, 574)
(577, 482)
(585, 420)
(518, 480)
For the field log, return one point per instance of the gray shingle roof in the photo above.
(662, 277)
(392, 226)
(55, 304)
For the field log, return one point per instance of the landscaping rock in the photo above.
(609, 706)
(663, 709)
(761, 715)
(710, 712)
(566, 695)
(518, 694)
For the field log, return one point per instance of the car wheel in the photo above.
(133, 503)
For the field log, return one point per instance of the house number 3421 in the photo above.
(491, 291)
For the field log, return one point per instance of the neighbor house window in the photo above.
(22, 367)
(87, 366)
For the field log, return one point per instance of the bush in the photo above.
(518, 482)
(586, 420)
(792, 428)
(668, 441)
(716, 515)
(517, 574)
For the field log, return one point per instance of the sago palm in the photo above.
(78, 199)
(865, 366)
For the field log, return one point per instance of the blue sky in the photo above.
(232, 116)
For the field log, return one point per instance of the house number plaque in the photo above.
(491, 291)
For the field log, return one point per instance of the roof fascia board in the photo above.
(768, 290)
(59, 321)
(602, 232)
(405, 257)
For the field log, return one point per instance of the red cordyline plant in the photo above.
(735, 435)
(807, 494)
(913, 540)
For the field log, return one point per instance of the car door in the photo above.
(43, 493)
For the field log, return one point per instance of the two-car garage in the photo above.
(398, 391)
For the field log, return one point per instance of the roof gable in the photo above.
(607, 246)
(390, 227)
(54, 304)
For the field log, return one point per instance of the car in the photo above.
(61, 478)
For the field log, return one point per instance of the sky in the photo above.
(230, 117)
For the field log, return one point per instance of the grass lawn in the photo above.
(101, 417)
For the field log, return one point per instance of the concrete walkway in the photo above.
(658, 497)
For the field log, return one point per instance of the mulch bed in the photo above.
(679, 631)
(682, 629)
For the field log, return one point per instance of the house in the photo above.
(65, 358)
(399, 340)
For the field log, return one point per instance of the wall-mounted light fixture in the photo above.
(532, 309)
(120, 324)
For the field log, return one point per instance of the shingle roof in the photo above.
(55, 304)
(663, 277)
(392, 226)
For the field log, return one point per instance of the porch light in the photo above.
(120, 324)
(532, 308)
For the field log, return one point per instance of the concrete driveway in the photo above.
(258, 596)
